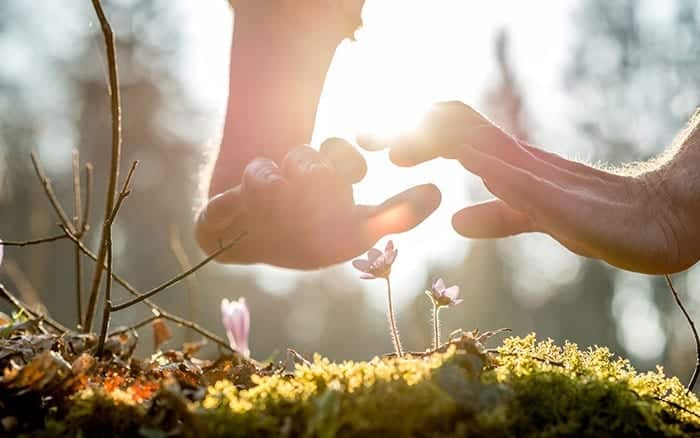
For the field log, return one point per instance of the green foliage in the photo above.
(530, 389)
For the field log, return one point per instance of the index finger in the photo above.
(441, 130)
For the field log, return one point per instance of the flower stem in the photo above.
(392, 321)
(436, 327)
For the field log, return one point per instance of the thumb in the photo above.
(399, 213)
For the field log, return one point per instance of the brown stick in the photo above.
(4, 293)
(110, 48)
(177, 278)
(24, 287)
(136, 326)
(33, 242)
(694, 377)
(107, 311)
(156, 308)
(48, 189)
(88, 198)
(77, 217)
(184, 261)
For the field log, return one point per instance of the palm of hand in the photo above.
(302, 214)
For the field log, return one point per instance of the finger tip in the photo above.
(371, 142)
(399, 157)
(431, 195)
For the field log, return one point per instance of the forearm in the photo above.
(278, 67)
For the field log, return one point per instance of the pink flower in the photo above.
(236, 319)
(442, 296)
(378, 264)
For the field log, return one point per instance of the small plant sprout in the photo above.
(378, 265)
(441, 296)
(235, 317)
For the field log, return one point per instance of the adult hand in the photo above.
(302, 215)
(638, 222)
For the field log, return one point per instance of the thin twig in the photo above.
(24, 287)
(153, 306)
(191, 282)
(48, 189)
(110, 48)
(677, 297)
(77, 201)
(124, 193)
(34, 242)
(4, 293)
(107, 311)
(77, 217)
(136, 326)
(179, 277)
(88, 198)
(677, 406)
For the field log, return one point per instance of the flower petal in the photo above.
(439, 286)
(372, 254)
(452, 292)
(390, 257)
(361, 265)
(367, 277)
(457, 301)
(389, 247)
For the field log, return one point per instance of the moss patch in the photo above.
(526, 388)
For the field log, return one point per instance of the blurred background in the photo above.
(591, 79)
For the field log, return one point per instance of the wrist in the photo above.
(280, 55)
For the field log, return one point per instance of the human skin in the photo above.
(643, 217)
(294, 203)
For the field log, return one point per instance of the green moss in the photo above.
(530, 389)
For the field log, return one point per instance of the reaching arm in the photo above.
(642, 218)
(279, 58)
(295, 203)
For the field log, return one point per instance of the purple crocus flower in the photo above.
(442, 296)
(236, 319)
(378, 263)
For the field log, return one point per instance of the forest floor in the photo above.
(53, 384)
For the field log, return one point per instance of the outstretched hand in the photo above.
(632, 222)
(301, 214)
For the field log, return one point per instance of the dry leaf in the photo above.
(161, 333)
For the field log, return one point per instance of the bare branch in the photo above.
(79, 227)
(48, 189)
(88, 198)
(677, 297)
(191, 282)
(4, 293)
(33, 242)
(124, 193)
(138, 325)
(178, 278)
(24, 287)
(77, 201)
(110, 48)
(154, 307)
(107, 311)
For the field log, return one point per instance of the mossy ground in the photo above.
(526, 388)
